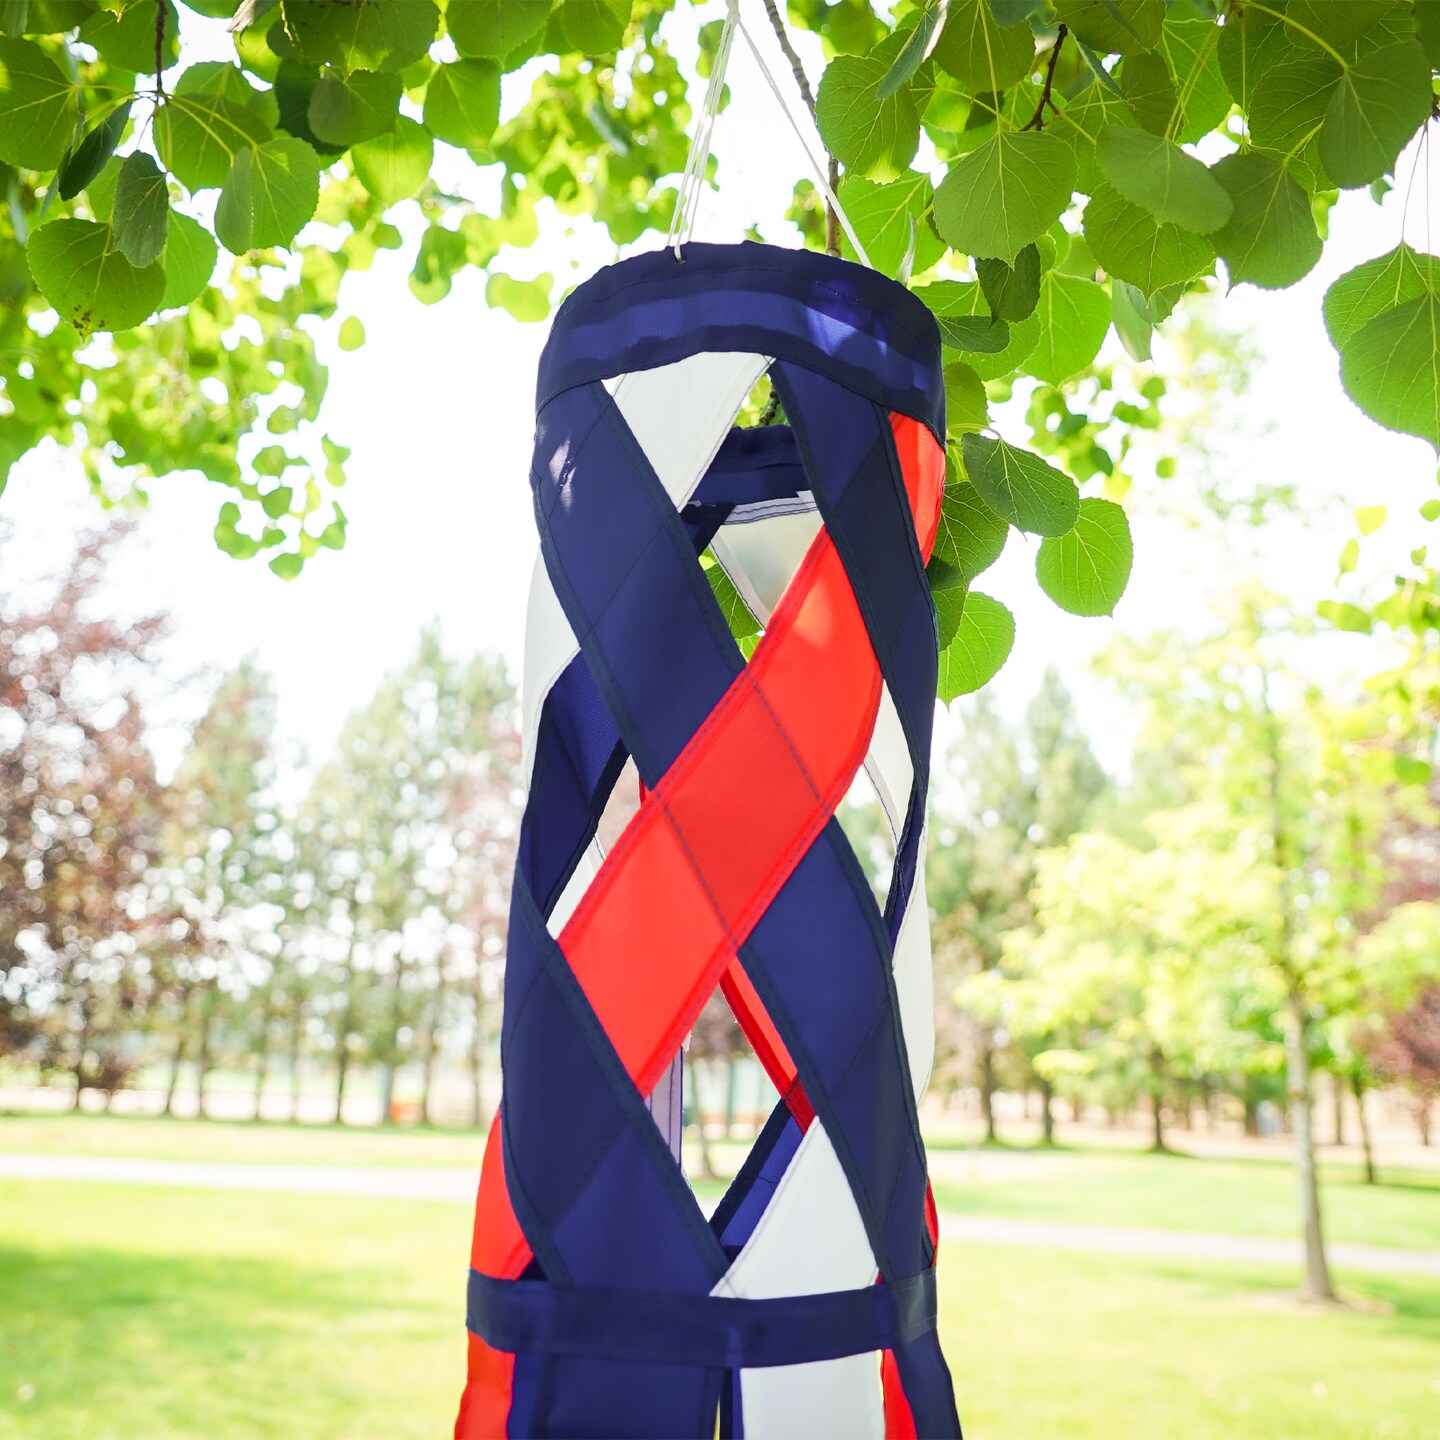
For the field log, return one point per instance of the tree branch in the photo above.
(1037, 120)
(832, 220)
(159, 48)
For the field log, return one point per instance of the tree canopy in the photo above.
(186, 188)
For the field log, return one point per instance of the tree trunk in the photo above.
(1337, 1094)
(342, 1055)
(729, 1096)
(1358, 1086)
(202, 1059)
(1317, 1284)
(1157, 1100)
(1252, 1117)
(987, 1089)
(1422, 1118)
(432, 1060)
(1047, 1112)
(181, 1032)
(477, 1055)
(297, 1033)
(262, 1067)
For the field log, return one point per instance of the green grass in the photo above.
(148, 1138)
(1245, 1197)
(149, 1314)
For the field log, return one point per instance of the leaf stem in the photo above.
(832, 220)
(1037, 120)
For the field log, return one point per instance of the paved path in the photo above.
(457, 1186)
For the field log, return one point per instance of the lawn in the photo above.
(141, 1314)
(1243, 1197)
(241, 1141)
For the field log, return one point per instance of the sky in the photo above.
(437, 407)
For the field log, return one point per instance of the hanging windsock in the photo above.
(602, 1299)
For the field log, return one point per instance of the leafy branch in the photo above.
(1037, 120)
(832, 220)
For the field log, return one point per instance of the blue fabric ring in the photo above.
(720, 1331)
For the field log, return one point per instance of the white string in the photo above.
(819, 170)
(682, 221)
(692, 182)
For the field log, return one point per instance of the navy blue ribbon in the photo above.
(712, 1330)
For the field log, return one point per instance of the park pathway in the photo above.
(457, 1186)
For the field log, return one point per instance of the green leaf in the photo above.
(1081, 120)
(490, 30)
(593, 27)
(1191, 49)
(37, 107)
(948, 588)
(966, 404)
(974, 334)
(1131, 317)
(1127, 241)
(352, 333)
(1112, 26)
(1150, 90)
(1369, 518)
(890, 221)
(199, 136)
(1160, 177)
(1006, 194)
(912, 53)
(1384, 283)
(983, 641)
(527, 300)
(875, 137)
(1346, 617)
(1019, 486)
(188, 261)
(1338, 22)
(1085, 571)
(462, 103)
(737, 614)
(1290, 105)
(980, 52)
(270, 194)
(1390, 367)
(1012, 290)
(89, 156)
(971, 535)
(1378, 105)
(127, 39)
(1427, 28)
(1270, 239)
(994, 348)
(1074, 319)
(81, 272)
(141, 210)
(347, 109)
(361, 34)
(1251, 45)
(393, 167)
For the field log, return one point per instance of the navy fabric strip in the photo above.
(625, 1325)
(832, 315)
(583, 1152)
(624, 569)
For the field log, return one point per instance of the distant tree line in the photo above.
(210, 922)
(1258, 898)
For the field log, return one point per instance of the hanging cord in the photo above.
(682, 223)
